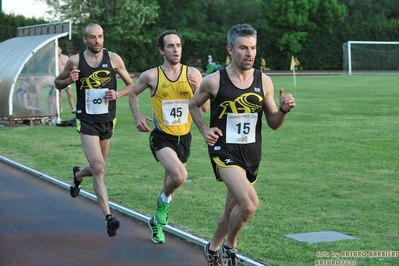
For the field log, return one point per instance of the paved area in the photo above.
(40, 224)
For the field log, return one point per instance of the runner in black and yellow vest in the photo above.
(172, 85)
(240, 95)
(94, 72)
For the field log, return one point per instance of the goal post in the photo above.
(370, 55)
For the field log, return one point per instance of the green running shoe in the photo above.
(161, 215)
(157, 236)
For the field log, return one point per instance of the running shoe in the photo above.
(228, 256)
(112, 226)
(75, 187)
(157, 235)
(213, 260)
(161, 215)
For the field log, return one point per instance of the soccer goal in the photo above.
(370, 56)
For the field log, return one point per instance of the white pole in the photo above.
(349, 58)
(57, 93)
(294, 77)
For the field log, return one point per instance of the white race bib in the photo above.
(96, 103)
(175, 112)
(240, 128)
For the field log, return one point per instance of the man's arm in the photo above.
(69, 74)
(120, 68)
(143, 83)
(207, 90)
(275, 117)
(195, 79)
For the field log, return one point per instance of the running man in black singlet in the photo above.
(94, 72)
(172, 86)
(239, 95)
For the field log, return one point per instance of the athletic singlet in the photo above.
(170, 104)
(238, 114)
(90, 90)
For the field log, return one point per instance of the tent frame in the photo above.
(33, 38)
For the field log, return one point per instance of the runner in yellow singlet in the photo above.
(171, 85)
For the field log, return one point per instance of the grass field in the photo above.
(333, 166)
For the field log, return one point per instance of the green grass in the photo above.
(331, 167)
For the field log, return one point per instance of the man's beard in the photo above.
(93, 50)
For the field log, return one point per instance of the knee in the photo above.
(181, 177)
(98, 169)
(249, 209)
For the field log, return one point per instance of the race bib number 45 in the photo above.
(96, 103)
(175, 112)
(240, 128)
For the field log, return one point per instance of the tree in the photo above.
(293, 21)
(362, 12)
(295, 18)
(310, 29)
(10, 23)
(123, 22)
(204, 24)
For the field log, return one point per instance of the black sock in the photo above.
(212, 252)
(226, 247)
(108, 217)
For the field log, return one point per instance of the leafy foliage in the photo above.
(312, 30)
(123, 21)
(10, 23)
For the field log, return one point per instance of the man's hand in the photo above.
(111, 95)
(74, 74)
(211, 135)
(287, 102)
(141, 124)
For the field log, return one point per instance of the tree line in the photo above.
(312, 30)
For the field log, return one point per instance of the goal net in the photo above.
(363, 56)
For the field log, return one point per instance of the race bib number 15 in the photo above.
(240, 128)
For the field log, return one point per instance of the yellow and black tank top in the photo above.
(93, 81)
(238, 114)
(170, 104)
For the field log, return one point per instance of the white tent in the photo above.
(25, 60)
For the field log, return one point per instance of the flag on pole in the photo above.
(292, 68)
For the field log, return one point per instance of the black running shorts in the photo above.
(251, 171)
(103, 130)
(180, 144)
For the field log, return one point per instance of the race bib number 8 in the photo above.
(96, 103)
(175, 112)
(240, 128)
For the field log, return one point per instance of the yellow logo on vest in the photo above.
(242, 104)
(97, 79)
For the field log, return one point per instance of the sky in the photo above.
(27, 8)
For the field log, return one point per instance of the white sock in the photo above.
(166, 199)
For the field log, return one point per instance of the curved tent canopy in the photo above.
(27, 70)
